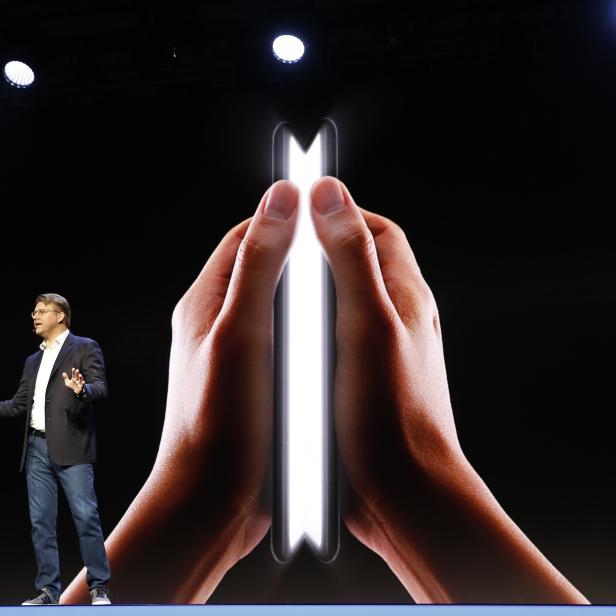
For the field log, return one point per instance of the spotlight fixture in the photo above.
(288, 48)
(18, 74)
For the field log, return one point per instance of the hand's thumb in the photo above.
(348, 245)
(262, 253)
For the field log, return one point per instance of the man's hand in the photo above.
(199, 511)
(76, 382)
(418, 502)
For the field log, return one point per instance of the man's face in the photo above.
(46, 318)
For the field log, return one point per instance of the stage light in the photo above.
(18, 74)
(288, 48)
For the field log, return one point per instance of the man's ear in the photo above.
(61, 317)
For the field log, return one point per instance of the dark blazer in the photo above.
(69, 419)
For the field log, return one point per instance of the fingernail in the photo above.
(281, 201)
(327, 197)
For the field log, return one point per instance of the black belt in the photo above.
(39, 433)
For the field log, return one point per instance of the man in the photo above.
(58, 387)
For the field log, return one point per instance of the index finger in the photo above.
(202, 301)
(402, 276)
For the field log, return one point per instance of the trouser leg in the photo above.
(78, 484)
(43, 505)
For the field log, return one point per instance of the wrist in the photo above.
(449, 541)
(200, 541)
(410, 489)
(413, 526)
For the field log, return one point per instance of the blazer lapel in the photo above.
(66, 347)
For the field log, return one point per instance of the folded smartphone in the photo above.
(305, 502)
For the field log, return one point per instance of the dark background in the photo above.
(485, 129)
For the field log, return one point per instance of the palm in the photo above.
(75, 382)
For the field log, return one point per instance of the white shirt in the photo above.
(50, 354)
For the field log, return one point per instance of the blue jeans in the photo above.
(77, 481)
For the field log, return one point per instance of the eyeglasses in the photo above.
(37, 312)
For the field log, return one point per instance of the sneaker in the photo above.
(100, 596)
(45, 598)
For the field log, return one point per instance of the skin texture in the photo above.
(416, 500)
(199, 511)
